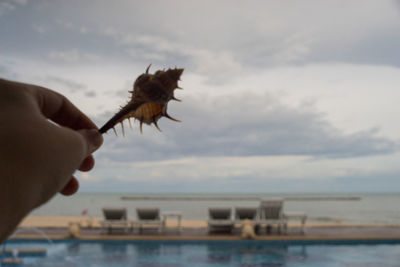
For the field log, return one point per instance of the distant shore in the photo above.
(238, 198)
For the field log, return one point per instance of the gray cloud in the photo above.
(5, 7)
(73, 57)
(247, 125)
(7, 72)
(233, 38)
(90, 94)
(397, 3)
(21, 2)
(262, 35)
(4, 70)
(71, 85)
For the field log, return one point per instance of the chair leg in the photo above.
(257, 229)
(279, 229)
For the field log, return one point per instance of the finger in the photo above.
(71, 187)
(87, 164)
(76, 146)
(59, 109)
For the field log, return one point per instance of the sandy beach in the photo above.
(58, 227)
(48, 221)
(86, 221)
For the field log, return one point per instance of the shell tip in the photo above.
(147, 70)
(155, 123)
(169, 117)
(130, 124)
(141, 126)
(122, 127)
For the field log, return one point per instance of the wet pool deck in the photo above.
(312, 233)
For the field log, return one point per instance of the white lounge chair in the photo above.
(115, 218)
(297, 215)
(220, 219)
(243, 213)
(148, 217)
(270, 213)
(246, 213)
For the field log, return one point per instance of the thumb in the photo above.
(93, 138)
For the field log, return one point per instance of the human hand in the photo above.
(44, 139)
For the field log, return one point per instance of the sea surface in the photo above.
(320, 207)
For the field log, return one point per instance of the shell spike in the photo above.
(169, 117)
(176, 99)
(147, 70)
(180, 88)
(155, 123)
(122, 127)
(141, 126)
(130, 124)
(115, 131)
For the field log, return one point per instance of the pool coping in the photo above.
(266, 240)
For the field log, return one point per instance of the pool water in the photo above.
(217, 253)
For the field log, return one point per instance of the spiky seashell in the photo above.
(150, 96)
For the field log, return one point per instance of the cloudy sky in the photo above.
(279, 96)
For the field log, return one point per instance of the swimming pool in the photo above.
(209, 253)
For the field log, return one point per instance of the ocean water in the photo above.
(322, 207)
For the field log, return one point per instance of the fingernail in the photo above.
(94, 139)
